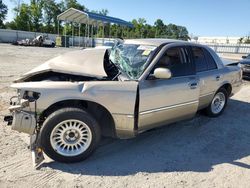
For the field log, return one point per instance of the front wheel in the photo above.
(69, 135)
(218, 103)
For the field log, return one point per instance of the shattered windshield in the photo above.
(131, 58)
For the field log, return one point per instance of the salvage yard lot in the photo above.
(202, 152)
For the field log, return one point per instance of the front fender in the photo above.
(117, 97)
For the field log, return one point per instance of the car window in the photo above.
(177, 60)
(131, 58)
(210, 60)
(199, 59)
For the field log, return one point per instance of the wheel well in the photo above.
(228, 87)
(100, 113)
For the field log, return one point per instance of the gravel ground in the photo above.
(202, 152)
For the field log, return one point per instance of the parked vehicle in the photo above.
(47, 42)
(37, 41)
(245, 65)
(69, 102)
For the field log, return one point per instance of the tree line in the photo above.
(41, 16)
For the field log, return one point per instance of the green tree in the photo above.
(36, 15)
(41, 15)
(10, 25)
(74, 4)
(160, 28)
(149, 31)
(138, 31)
(51, 10)
(3, 13)
(182, 33)
(23, 19)
(247, 40)
(141, 27)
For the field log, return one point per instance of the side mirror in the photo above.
(244, 57)
(162, 73)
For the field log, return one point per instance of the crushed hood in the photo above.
(88, 62)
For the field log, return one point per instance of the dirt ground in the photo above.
(202, 152)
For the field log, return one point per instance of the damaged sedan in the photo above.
(69, 102)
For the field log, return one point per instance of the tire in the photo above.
(75, 130)
(221, 96)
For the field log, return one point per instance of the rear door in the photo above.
(208, 74)
(164, 101)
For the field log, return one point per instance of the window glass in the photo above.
(210, 61)
(131, 58)
(178, 61)
(199, 59)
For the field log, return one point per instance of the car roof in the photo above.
(154, 41)
(159, 41)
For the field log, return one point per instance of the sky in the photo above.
(201, 17)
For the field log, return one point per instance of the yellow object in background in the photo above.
(58, 41)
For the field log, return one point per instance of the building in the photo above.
(217, 40)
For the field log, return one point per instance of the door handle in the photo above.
(217, 77)
(193, 85)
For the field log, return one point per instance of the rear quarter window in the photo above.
(211, 64)
(199, 59)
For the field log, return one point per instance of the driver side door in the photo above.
(164, 101)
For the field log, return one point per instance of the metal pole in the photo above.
(109, 30)
(122, 31)
(85, 35)
(72, 33)
(58, 31)
(116, 33)
(92, 35)
(97, 28)
(88, 30)
(79, 34)
(65, 35)
(103, 33)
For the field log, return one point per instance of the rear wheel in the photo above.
(69, 135)
(218, 103)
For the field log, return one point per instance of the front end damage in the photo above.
(71, 67)
(23, 118)
(86, 78)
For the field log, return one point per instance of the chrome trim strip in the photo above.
(211, 93)
(167, 107)
(128, 115)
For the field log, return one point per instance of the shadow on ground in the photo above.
(196, 145)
